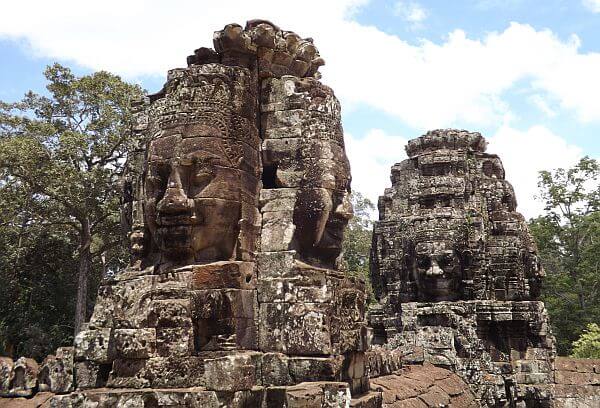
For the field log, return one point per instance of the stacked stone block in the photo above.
(309, 308)
(577, 383)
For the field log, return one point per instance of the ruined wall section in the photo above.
(24, 377)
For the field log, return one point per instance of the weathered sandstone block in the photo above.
(56, 372)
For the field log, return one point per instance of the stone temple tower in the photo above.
(456, 270)
(236, 208)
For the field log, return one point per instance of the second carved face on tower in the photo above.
(192, 194)
(320, 218)
(438, 271)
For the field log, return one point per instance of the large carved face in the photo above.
(192, 190)
(437, 271)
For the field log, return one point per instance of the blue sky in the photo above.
(523, 73)
(478, 18)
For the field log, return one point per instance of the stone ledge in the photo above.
(582, 365)
(309, 394)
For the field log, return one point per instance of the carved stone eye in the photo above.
(202, 178)
(423, 262)
(444, 262)
(155, 184)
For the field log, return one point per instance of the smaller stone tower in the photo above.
(456, 271)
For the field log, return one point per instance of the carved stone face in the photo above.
(320, 216)
(192, 191)
(437, 271)
(335, 222)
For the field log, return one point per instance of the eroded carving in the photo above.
(201, 173)
(457, 274)
(234, 232)
(303, 154)
(448, 228)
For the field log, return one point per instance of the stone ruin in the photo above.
(457, 276)
(235, 209)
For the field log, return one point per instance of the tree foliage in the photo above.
(568, 238)
(357, 239)
(60, 159)
(588, 344)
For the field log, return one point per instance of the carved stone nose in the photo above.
(435, 269)
(344, 209)
(175, 200)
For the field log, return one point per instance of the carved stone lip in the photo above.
(439, 284)
(335, 226)
(331, 239)
(181, 228)
(174, 236)
(335, 235)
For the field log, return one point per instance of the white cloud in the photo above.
(502, 4)
(542, 104)
(460, 82)
(371, 159)
(524, 153)
(592, 5)
(410, 11)
(137, 37)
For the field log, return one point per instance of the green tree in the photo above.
(588, 344)
(37, 271)
(62, 155)
(568, 238)
(357, 239)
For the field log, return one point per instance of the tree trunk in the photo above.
(581, 296)
(83, 273)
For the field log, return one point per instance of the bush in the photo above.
(588, 344)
